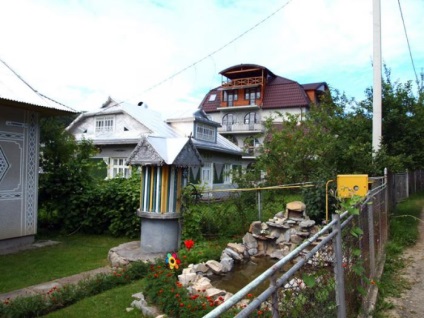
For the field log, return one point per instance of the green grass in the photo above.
(112, 303)
(404, 232)
(75, 254)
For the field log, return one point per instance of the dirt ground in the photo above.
(411, 303)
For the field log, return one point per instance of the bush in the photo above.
(107, 207)
(56, 298)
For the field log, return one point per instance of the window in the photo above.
(228, 173)
(212, 97)
(228, 121)
(206, 174)
(104, 124)
(252, 94)
(118, 168)
(251, 119)
(230, 96)
(251, 144)
(205, 132)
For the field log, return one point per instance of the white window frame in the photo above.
(104, 124)
(118, 168)
(205, 132)
(206, 175)
(228, 178)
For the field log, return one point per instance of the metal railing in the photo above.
(327, 268)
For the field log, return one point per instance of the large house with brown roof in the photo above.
(248, 95)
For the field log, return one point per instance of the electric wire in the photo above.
(217, 50)
(409, 46)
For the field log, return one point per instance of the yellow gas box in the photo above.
(352, 184)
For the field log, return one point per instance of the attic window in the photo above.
(104, 124)
(205, 132)
(212, 97)
(126, 129)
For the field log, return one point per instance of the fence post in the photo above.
(338, 268)
(370, 216)
(259, 205)
(274, 297)
(407, 184)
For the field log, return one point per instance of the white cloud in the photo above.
(81, 52)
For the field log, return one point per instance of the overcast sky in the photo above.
(79, 52)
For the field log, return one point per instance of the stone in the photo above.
(215, 266)
(296, 206)
(227, 264)
(279, 215)
(239, 248)
(278, 254)
(303, 234)
(214, 292)
(138, 296)
(307, 223)
(253, 251)
(264, 226)
(296, 239)
(274, 234)
(255, 227)
(231, 253)
(288, 234)
(295, 284)
(249, 241)
(200, 268)
(202, 284)
(187, 278)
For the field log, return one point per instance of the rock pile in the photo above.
(275, 238)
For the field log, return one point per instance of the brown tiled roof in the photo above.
(314, 86)
(280, 92)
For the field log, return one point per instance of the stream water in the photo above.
(243, 274)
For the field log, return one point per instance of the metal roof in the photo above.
(14, 89)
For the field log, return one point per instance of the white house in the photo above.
(116, 128)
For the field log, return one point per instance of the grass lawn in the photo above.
(112, 303)
(75, 254)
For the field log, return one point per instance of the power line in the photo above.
(32, 88)
(218, 49)
(409, 47)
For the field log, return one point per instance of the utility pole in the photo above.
(377, 87)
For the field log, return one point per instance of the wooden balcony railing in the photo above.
(248, 81)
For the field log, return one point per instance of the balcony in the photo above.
(243, 82)
(241, 129)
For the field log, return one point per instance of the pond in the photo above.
(242, 274)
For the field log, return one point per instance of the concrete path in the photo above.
(43, 288)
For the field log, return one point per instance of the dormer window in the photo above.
(104, 124)
(205, 132)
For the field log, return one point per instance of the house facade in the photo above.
(21, 108)
(117, 128)
(248, 95)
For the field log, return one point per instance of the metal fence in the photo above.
(333, 272)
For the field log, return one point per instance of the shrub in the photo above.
(37, 305)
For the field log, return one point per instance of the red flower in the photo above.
(189, 244)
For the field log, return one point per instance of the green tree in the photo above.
(65, 166)
(402, 145)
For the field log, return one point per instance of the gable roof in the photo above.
(151, 119)
(153, 150)
(15, 92)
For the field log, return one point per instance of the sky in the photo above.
(168, 53)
